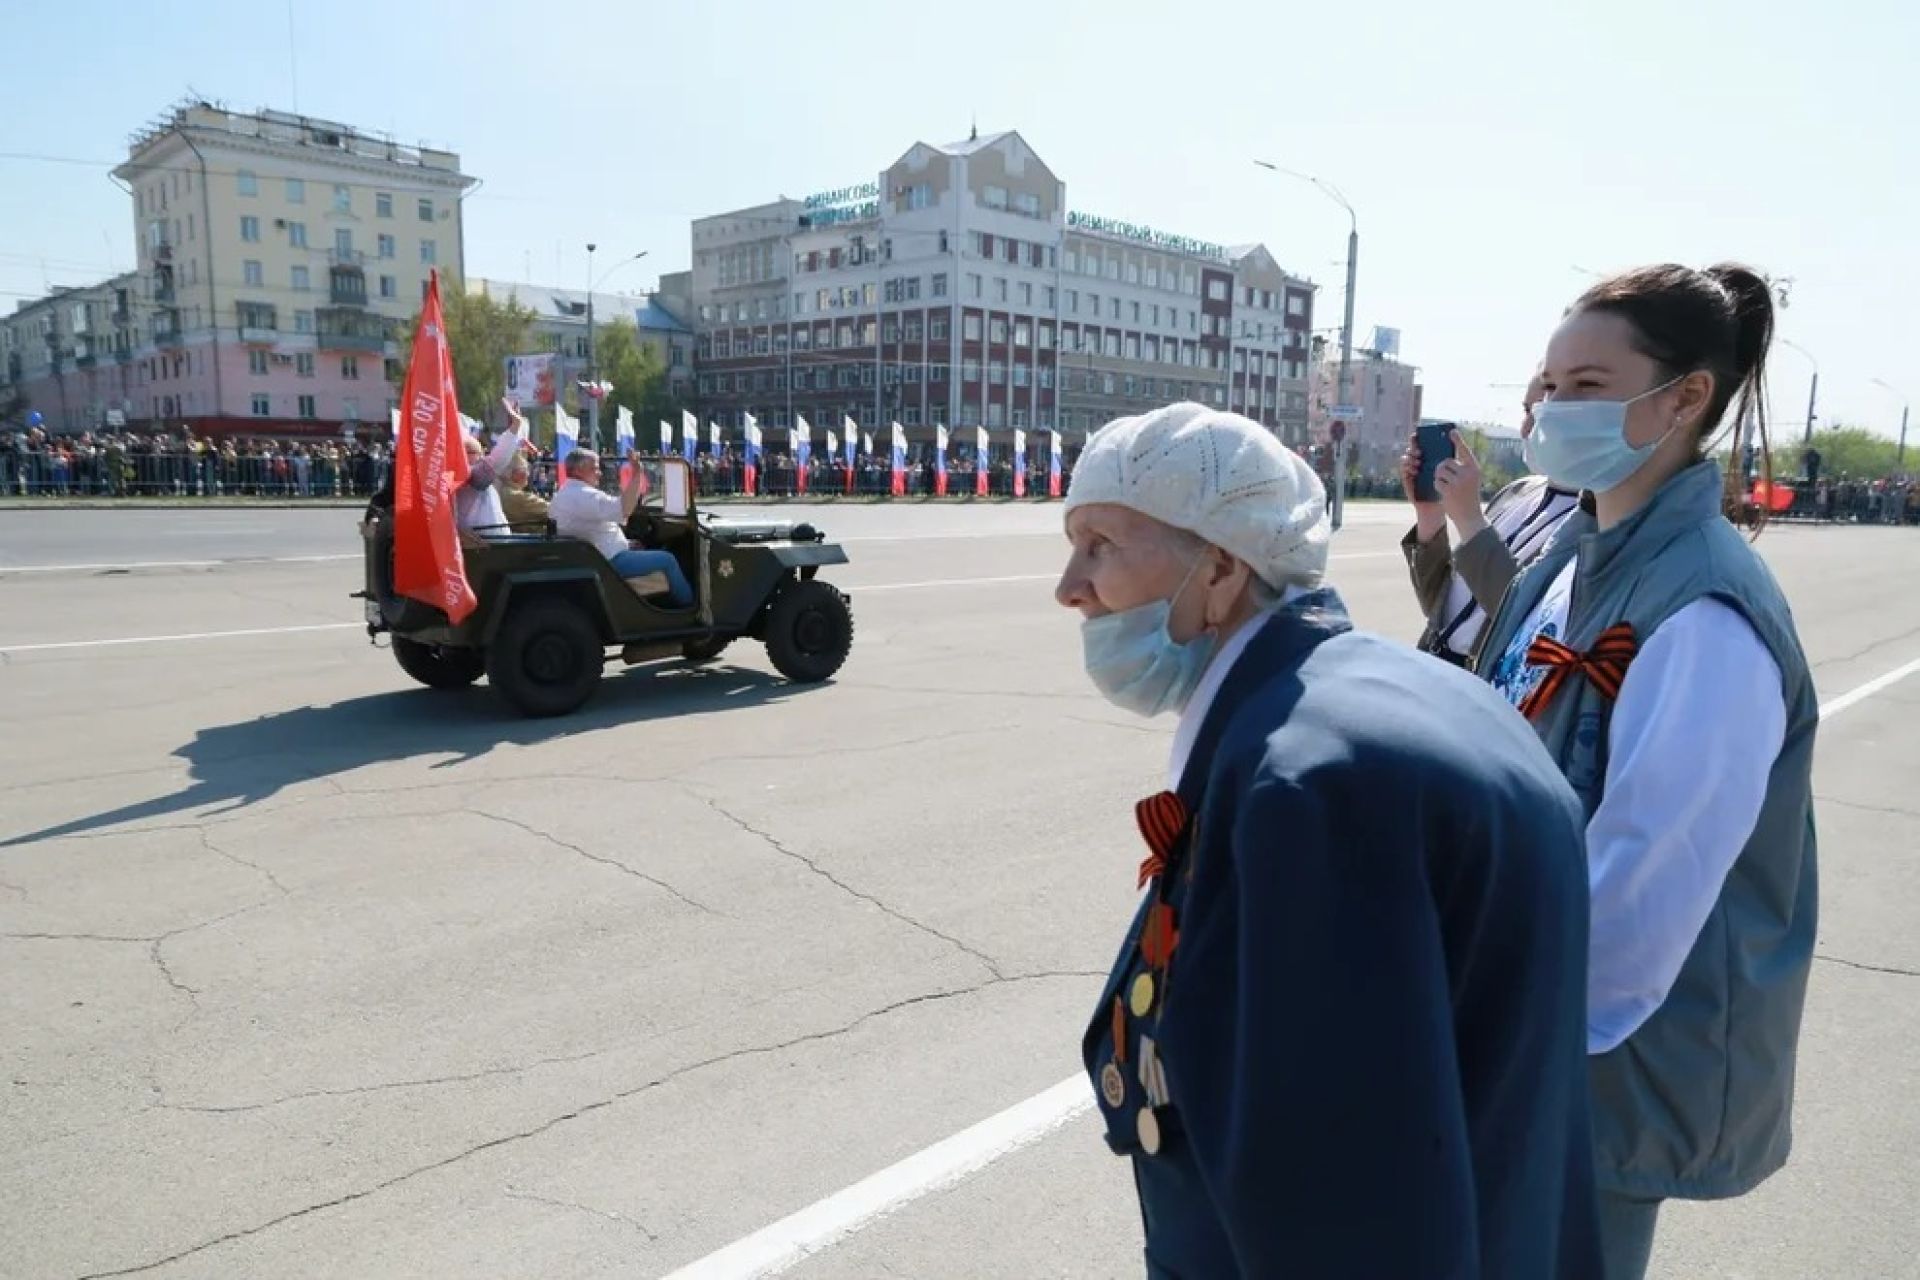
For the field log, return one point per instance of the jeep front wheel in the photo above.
(809, 631)
(546, 659)
(436, 666)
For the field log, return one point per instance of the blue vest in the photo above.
(1697, 1103)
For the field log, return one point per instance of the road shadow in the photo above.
(241, 764)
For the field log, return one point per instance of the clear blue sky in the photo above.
(1489, 148)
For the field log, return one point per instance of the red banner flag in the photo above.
(429, 466)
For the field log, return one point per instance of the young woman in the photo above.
(1458, 586)
(1658, 660)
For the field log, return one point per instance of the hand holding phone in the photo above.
(1434, 440)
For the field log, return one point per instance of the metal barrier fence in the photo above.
(116, 474)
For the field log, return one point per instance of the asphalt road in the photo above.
(312, 973)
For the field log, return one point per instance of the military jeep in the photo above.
(552, 612)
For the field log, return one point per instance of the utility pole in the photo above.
(1346, 331)
(593, 372)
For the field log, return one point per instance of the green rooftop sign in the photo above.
(1145, 235)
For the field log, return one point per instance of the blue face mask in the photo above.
(1582, 444)
(1133, 659)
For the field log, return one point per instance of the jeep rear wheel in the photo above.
(809, 631)
(547, 658)
(438, 667)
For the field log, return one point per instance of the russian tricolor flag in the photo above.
(897, 458)
(802, 452)
(940, 461)
(1019, 463)
(980, 462)
(1053, 464)
(751, 480)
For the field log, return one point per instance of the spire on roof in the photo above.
(974, 136)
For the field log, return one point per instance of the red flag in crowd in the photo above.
(429, 466)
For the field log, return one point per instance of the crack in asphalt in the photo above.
(602, 859)
(423, 1082)
(585, 1109)
(1894, 809)
(609, 1214)
(1896, 970)
(1877, 644)
(773, 842)
(206, 840)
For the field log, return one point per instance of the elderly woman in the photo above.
(1345, 1034)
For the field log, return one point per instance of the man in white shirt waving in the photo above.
(476, 506)
(581, 510)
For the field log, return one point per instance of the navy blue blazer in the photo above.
(1361, 1040)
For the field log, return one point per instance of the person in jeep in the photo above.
(582, 510)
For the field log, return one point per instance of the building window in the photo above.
(303, 322)
(1072, 262)
(1021, 375)
(939, 289)
(342, 198)
(303, 364)
(297, 234)
(302, 280)
(1217, 290)
(997, 373)
(251, 272)
(999, 289)
(975, 284)
(1022, 333)
(389, 286)
(343, 242)
(306, 407)
(997, 331)
(994, 197)
(386, 246)
(970, 328)
(1027, 204)
(383, 204)
(250, 229)
(248, 184)
(1296, 305)
(1046, 337)
(257, 363)
(426, 209)
(296, 191)
(937, 329)
(350, 368)
(996, 415)
(429, 253)
(970, 371)
(261, 406)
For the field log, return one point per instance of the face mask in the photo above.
(1133, 659)
(1582, 444)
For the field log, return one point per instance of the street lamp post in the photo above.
(1813, 388)
(1900, 457)
(1346, 327)
(593, 368)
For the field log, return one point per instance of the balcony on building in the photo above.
(86, 353)
(346, 281)
(163, 252)
(166, 327)
(259, 324)
(163, 284)
(351, 328)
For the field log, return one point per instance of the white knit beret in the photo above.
(1221, 476)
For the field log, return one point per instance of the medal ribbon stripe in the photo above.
(1162, 819)
(1605, 664)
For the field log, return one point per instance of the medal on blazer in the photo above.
(1113, 1085)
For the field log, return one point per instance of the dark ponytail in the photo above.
(1719, 320)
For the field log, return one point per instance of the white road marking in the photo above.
(192, 635)
(821, 1225)
(128, 566)
(818, 1226)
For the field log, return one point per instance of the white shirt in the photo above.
(1194, 714)
(1691, 744)
(581, 511)
(480, 509)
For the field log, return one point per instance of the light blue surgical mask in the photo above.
(1582, 444)
(1133, 659)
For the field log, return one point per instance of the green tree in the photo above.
(1844, 451)
(482, 332)
(634, 369)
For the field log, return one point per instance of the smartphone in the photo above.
(1436, 446)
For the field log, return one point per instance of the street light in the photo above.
(1900, 458)
(593, 369)
(1346, 325)
(1813, 389)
